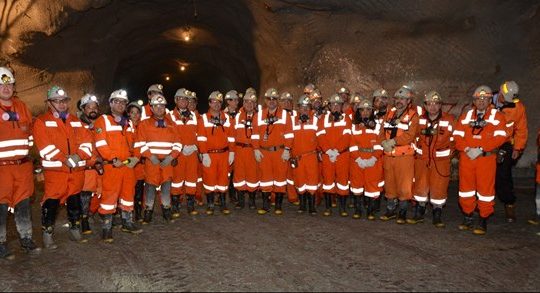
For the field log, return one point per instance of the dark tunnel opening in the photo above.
(133, 44)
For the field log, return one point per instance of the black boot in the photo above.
(147, 218)
(357, 207)
(241, 201)
(418, 214)
(352, 203)
(210, 203)
(391, 207)
(223, 204)
(73, 204)
(311, 204)
(370, 208)
(175, 207)
(233, 194)
(138, 201)
(191, 205)
(28, 246)
(106, 228)
(342, 206)
(128, 225)
(377, 203)
(327, 204)
(402, 214)
(167, 214)
(23, 222)
(467, 223)
(86, 197)
(265, 203)
(303, 203)
(437, 218)
(4, 252)
(117, 218)
(481, 229)
(279, 203)
(252, 205)
(48, 219)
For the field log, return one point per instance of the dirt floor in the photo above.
(247, 252)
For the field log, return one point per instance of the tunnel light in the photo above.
(186, 34)
(167, 78)
(182, 68)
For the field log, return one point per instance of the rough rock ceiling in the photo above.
(102, 45)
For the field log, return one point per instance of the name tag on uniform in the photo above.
(477, 137)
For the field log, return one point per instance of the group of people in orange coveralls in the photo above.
(346, 150)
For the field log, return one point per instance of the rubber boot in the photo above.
(437, 221)
(342, 200)
(147, 218)
(265, 204)
(175, 207)
(510, 213)
(128, 225)
(29, 246)
(391, 207)
(357, 207)
(303, 203)
(117, 218)
(48, 219)
(23, 222)
(223, 204)
(106, 228)
(279, 203)
(481, 229)
(377, 202)
(311, 204)
(191, 205)
(327, 204)
(138, 201)
(370, 208)
(86, 197)
(334, 201)
(252, 205)
(73, 204)
(210, 203)
(418, 214)
(241, 201)
(167, 214)
(467, 223)
(352, 203)
(402, 214)
(5, 253)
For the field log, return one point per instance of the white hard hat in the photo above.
(250, 96)
(137, 104)
(433, 96)
(309, 88)
(6, 76)
(231, 95)
(404, 92)
(56, 93)
(182, 93)
(335, 98)
(357, 98)
(88, 98)
(365, 103)
(158, 99)
(155, 88)
(483, 91)
(119, 94)
(216, 95)
(304, 100)
(344, 90)
(285, 96)
(271, 93)
(380, 93)
(509, 90)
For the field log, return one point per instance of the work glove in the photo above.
(231, 158)
(361, 163)
(132, 161)
(474, 153)
(332, 155)
(72, 161)
(258, 155)
(286, 155)
(206, 161)
(166, 161)
(117, 163)
(154, 160)
(371, 162)
(388, 144)
(189, 149)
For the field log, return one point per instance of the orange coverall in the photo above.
(246, 177)
(365, 143)
(186, 173)
(304, 151)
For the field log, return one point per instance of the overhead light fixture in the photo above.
(182, 68)
(167, 78)
(187, 34)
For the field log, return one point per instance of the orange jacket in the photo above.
(186, 126)
(337, 135)
(55, 140)
(112, 139)
(15, 136)
(243, 127)
(267, 134)
(516, 121)
(405, 128)
(365, 142)
(305, 136)
(440, 143)
(215, 135)
(159, 141)
(490, 137)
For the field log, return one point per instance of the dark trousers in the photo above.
(504, 183)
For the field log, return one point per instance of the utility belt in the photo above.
(345, 150)
(273, 148)
(244, 145)
(216, 151)
(294, 160)
(14, 162)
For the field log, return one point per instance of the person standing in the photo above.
(16, 174)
